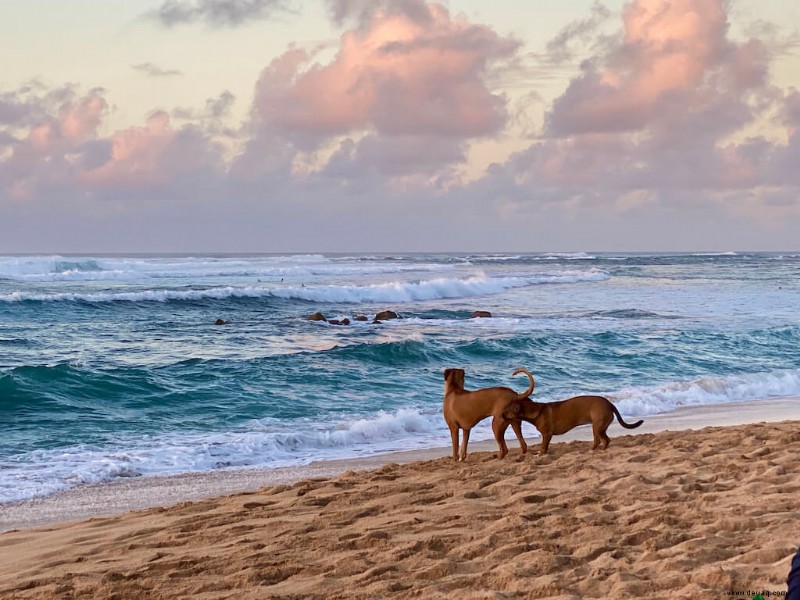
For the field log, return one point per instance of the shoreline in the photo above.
(693, 513)
(122, 496)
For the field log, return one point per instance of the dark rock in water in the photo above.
(317, 316)
(220, 322)
(481, 314)
(360, 318)
(334, 322)
(345, 321)
(385, 315)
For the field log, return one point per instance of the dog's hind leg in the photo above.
(600, 436)
(606, 440)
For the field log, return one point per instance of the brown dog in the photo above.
(464, 408)
(555, 418)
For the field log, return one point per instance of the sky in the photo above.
(399, 126)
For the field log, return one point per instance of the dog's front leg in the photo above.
(545, 443)
(454, 440)
(464, 442)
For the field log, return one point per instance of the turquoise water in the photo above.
(112, 366)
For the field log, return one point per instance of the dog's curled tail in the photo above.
(529, 391)
(623, 423)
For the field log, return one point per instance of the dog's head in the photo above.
(524, 410)
(454, 377)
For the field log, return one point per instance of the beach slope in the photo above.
(674, 514)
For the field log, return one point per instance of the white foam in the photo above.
(271, 443)
(533, 257)
(569, 256)
(396, 292)
(707, 390)
(264, 444)
(497, 257)
(58, 269)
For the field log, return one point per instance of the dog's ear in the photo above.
(447, 373)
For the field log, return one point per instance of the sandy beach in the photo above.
(679, 509)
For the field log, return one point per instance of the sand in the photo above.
(674, 514)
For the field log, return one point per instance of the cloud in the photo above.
(791, 112)
(33, 101)
(59, 146)
(362, 12)
(416, 156)
(216, 110)
(12, 109)
(50, 138)
(218, 13)
(407, 87)
(220, 106)
(784, 164)
(561, 48)
(152, 156)
(657, 110)
(398, 75)
(395, 105)
(672, 135)
(660, 126)
(670, 50)
(152, 70)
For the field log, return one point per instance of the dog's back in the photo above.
(578, 410)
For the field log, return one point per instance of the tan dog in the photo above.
(555, 418)
(464, 408)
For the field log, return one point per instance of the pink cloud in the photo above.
(152, 155)
(669, 51)
(403, 72)
(48, 153)
(662, 120)
(62, 149)
(75, 123)
(656, 110)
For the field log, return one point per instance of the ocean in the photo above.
(112, 366)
